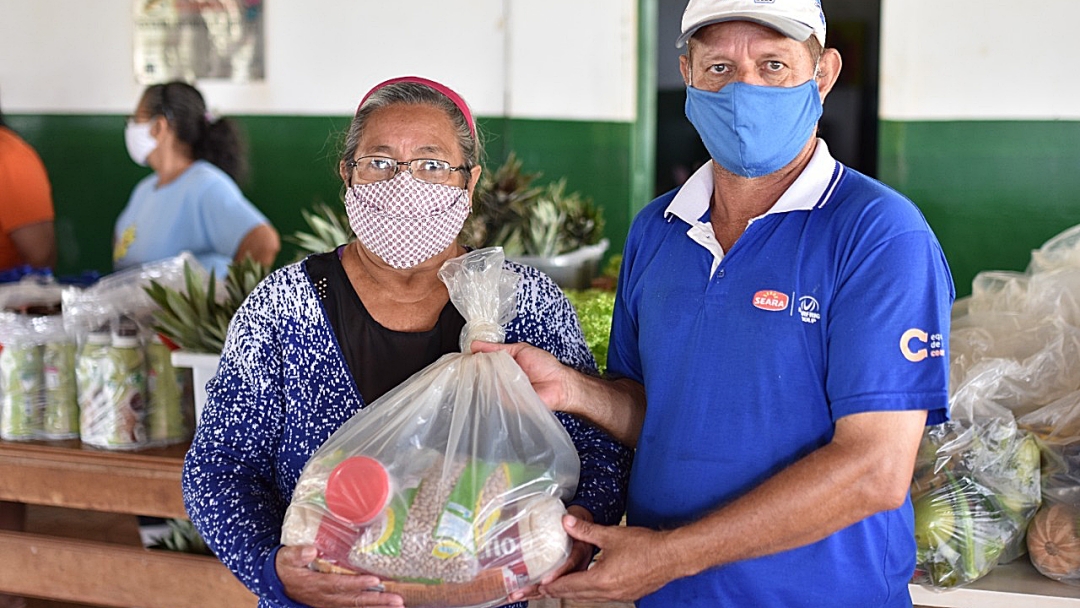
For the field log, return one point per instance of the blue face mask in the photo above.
(754, 130)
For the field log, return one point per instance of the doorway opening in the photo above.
(849, 123)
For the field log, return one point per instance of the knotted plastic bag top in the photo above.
(483, 292)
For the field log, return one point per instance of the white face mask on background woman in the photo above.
(406, 221)
(140, 143)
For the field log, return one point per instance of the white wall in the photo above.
(980, 60)
(559, 59)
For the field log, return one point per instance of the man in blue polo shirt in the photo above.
(784, 318)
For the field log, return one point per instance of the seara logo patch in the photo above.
(917, 345)
(771, 300)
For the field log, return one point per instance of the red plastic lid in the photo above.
(358, 489)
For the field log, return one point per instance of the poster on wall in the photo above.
(198, 40)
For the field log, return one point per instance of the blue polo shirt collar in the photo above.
(811, 189)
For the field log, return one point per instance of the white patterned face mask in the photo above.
(406, 221)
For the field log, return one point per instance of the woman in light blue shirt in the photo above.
(191, 202)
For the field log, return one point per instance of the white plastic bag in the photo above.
(1015, 360)
(1060, 251)
(450, 486)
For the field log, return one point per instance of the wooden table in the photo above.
(147, 482)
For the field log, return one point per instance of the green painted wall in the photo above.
(294, 165)
(595, 157)
(991, 190)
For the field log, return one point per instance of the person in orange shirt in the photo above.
(26, 237)
(26, 206)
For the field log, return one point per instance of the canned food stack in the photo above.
(37, 381)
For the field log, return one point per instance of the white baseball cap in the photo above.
(796, 19)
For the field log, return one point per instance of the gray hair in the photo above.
(414, 93)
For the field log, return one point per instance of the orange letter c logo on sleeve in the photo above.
(905, 344)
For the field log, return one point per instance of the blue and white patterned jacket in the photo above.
(283, 387)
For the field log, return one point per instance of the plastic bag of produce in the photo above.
(1016, 360)
(448, 487)
(1050, 293)
(1060, 251)
(998, 291)
(975, 488)
(1054, 534)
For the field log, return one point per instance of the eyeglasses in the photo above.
(381, 168)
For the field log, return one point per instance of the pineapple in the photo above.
(196, 320)
(528, 220)
(329, 228)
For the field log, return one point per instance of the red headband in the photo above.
(445, 90)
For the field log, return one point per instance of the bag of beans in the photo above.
(450, 487)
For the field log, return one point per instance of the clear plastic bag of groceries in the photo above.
(37, 399)
(450, 486)
(975, 488)
(129, 393)
(122, 295)
(1060, 251)
(1054, 535)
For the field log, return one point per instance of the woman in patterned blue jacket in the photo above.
(319, 339)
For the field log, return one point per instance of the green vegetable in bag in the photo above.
(959, 533)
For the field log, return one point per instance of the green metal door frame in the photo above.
(643, 146)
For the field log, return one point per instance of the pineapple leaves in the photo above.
(194, 319)
(526, 219)
(182, 537)
(329, 227)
